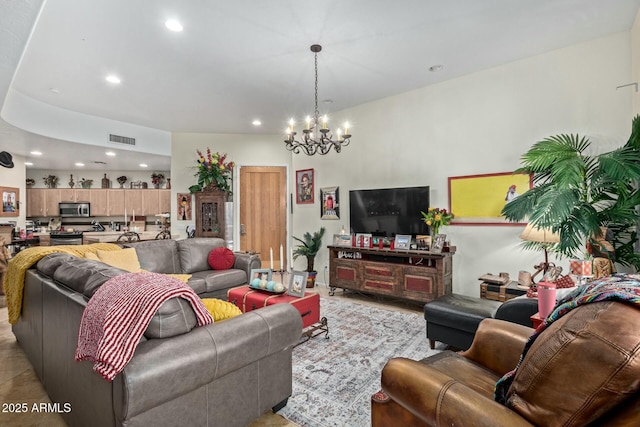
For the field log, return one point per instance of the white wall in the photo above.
(481, 123)
(243, 149)
(78, 174)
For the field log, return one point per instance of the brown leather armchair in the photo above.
(582, 370)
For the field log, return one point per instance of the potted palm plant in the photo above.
(577, 193)
(309, 246)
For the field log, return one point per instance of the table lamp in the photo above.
(544, 236)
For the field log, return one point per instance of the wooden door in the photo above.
(263, 212)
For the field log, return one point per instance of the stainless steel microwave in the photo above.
(74, 210)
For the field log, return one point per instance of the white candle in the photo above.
(271, 257)
(134, 215)
(125, 216)
(281, 259)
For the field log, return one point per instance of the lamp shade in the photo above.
(532, 233)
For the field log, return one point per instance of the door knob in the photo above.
(243, 231)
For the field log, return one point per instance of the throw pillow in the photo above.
(126, 259)
(221, 258)
(220, 310)
(184, 278)
(91, 255)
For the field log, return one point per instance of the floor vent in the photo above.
(122, 139)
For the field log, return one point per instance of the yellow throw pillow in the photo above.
(126, 259)
(220, 310)
(91, 255)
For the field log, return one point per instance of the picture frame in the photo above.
(438, 243)
(184, 206)
(297, 283)
(256, 273)
(366, 237)
(479, 199)
(342, 240)
(305, 181)
(423, 241)
(329, 203)
(10, 201)
(402, 241)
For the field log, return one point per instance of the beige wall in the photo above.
(635, 63)
(15, 177)
(481, 123)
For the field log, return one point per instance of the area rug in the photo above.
(333, 379)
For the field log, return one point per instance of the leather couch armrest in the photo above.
(247, 262)
(518, 310)
(437, 399)
(498, 345)
(163, 369)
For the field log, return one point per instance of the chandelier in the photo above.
(316, 138)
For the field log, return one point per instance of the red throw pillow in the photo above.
(221, 258)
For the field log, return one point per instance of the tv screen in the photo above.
(389, 211)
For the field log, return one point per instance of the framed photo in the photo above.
(259, 273)
(402, 241)
(362, 239)
(438, 243)
(329, 206)
(342, 240)
(423, 241)
(297, 283)
(10, 201)
(184, 206)
(479, 199)
(304, 186)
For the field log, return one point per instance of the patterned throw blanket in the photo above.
(19, 264)
(618, 287)
(120, 311)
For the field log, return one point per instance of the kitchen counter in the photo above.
(112, 236)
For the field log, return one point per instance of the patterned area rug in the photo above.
(333, 379)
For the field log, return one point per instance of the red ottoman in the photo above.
(247, 299)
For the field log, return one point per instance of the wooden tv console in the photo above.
(414, 275)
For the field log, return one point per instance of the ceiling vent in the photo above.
(122, 139)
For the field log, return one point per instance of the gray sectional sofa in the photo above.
(224, 374)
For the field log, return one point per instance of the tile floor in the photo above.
(19, 383)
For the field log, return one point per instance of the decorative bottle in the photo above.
(71, 183)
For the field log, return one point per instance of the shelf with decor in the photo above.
(413, 275)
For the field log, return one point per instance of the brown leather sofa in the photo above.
(584, 369)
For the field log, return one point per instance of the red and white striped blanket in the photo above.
(120, 311)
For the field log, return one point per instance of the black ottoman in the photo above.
(453, 319)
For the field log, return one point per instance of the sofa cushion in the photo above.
(81, 274)
(610, 356)
(174, 317)
(194, 253)
(125, 259)
(215, 280)
(221, 258)
(157, 256)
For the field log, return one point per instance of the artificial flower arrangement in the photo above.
(30, 182)
(157, 178)
(51, 181)
(121, 179)
(436, 218)
(86, 183)
(212, 169)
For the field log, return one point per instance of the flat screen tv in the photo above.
(388, 211)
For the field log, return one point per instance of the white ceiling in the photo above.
(241, 60)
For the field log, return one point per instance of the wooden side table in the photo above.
(536, 320)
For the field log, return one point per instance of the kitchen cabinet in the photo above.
(99, 200)
(74, 194)
(150, 202)
(133, 201)
(116, 201)
(165, 201)
(42, 202)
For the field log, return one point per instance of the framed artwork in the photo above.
(402, 241)
(479, 199)
(258, 273)
(342, 240)
(329, 206)
(438, 243)
(304, 186)
(10, 201)
(184, 206)
(297, 283)
(363, 239)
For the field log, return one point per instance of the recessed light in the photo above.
(327, 101)
(436, 68)
(28, 164)
(110, 153)
(113, 79)
(144, 165)
(256, 122)
(55, 90)
(173, 25)
(79, 164)
(36, 153)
